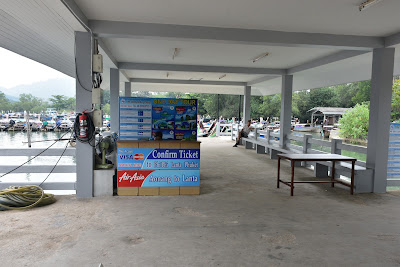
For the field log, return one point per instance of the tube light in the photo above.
(222, 76)
(260, 57)
(367, 4)
(176, 51)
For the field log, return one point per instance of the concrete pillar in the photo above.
(240, 101)
(246, 104)
(84, 152)
(128, 89)
(286, 109)
(379, 115)
(114, 94)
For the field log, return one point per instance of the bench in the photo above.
(263, 147)
(363, 177)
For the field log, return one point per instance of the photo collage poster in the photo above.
(143, 118)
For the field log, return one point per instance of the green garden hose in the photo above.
(24, 197)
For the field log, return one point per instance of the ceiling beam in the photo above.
(188, 82)
(325, 60)
(107, 52)
(119, 29)
(77, 12)
(83, 20)
(198, 68)
(392, 40)
(260, 80)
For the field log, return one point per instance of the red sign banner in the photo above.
(132, 178)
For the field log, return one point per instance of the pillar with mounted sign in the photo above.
(114, 94)
(84, 152)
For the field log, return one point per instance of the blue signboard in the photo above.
(158, 158)
(142, 118)
(158, 178)
(393, 169)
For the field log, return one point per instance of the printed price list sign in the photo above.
(393, 169)
(134, 118)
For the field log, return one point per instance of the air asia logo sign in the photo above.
(132, 178)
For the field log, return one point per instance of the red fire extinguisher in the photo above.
(83, 126)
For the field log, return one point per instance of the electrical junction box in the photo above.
(96, 96)
(97, 63)
(98, 118)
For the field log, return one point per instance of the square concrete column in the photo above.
(286, 109)
(246, 104)
(84, 152)
(128, 89)
(379, 115)
(114, 95)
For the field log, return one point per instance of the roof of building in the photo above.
(329, 110)
(209, 46)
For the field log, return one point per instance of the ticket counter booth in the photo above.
(158, 151)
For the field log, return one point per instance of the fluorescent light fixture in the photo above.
(367, 4)
(176, 51)
(260, 57)
(222, 76)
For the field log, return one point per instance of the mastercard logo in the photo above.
(138, 157)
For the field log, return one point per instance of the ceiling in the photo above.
(210, 54)
(43, 30)
(317, 16)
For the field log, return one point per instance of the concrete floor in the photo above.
(240, 219)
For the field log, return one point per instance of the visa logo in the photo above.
(126, 157)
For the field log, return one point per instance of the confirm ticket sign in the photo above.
(158, 178)
(155, 158)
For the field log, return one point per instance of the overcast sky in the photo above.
(17, 70)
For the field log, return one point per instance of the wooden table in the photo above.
(316, 157)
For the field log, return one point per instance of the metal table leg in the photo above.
(292, 179)
(279, 167)
(352, 177)
(333, 173)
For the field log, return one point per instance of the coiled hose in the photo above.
(24, 197)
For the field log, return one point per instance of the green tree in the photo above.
(354, 123)
(5, 104)
(300, 105)
(322, 97)
(201, 100)
(71, 103)
(59, 102)
(396, 101)
(106, 96)
(256, 103)
(176, 95)
(106, 109)
(141, 94)
(28, 102)
(363, 92)
(271, 106)
(345, 94)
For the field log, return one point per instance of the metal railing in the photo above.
(223, 129)
(335, 145)
(31, 168)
